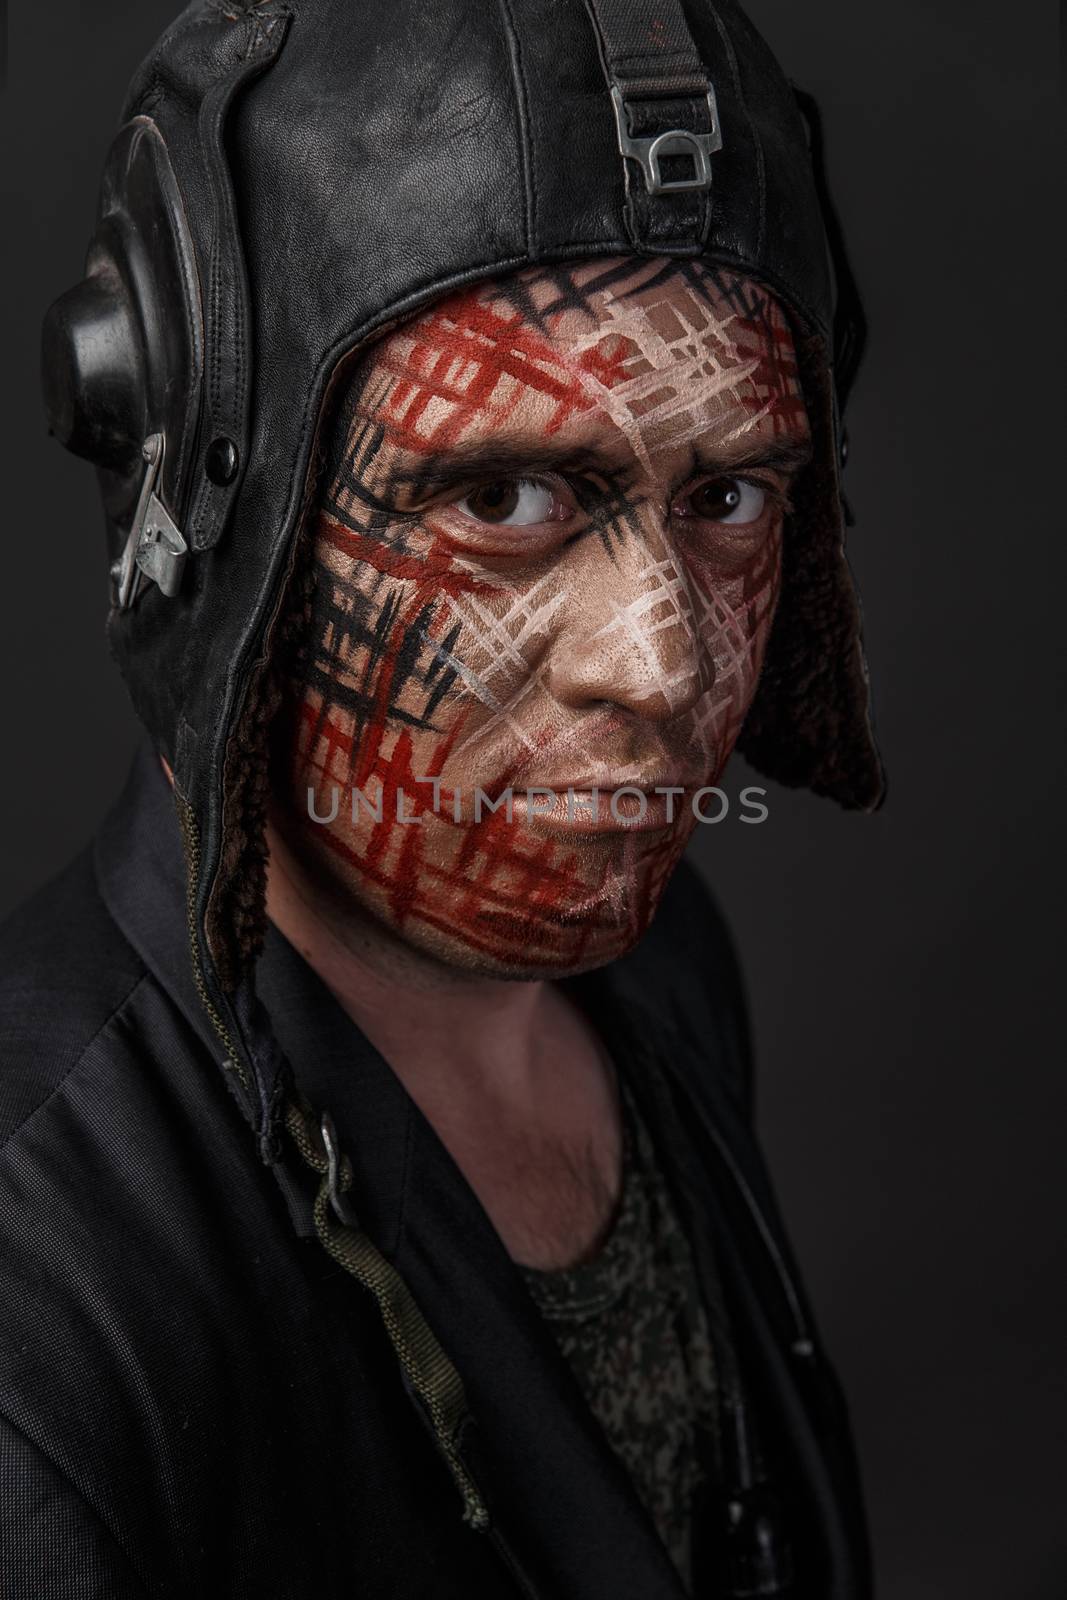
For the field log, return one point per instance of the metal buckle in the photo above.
(155, 547)
(674, 142)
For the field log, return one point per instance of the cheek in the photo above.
(360, 669)
(735, 612)
(406, 657)
(496, 638)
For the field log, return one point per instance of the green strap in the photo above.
(427, 1367)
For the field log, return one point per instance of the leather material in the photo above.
(340, 167)
(122, 352)
(663, 85)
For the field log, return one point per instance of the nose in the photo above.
(629, 635)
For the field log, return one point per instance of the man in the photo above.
(462, 391)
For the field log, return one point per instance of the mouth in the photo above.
(604, 807)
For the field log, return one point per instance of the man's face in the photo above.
(549, 560)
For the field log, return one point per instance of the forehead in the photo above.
(644, 354)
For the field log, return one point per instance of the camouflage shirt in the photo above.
(631, 1324)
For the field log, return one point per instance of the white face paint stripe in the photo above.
(681, 368)
(665, 587)
(506, 717)
(496, 636)
(462, 671)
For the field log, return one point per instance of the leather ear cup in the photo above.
(92, 372)
(122, 352)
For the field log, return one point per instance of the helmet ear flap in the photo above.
(810, 724)
(850, 321)
(122, 351)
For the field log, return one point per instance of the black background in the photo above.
(902, 967)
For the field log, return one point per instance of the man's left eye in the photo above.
(730, 500)
(514, 503)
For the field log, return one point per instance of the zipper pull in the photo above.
(756, 1556)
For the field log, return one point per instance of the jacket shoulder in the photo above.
(65, 969)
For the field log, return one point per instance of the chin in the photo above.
(568, 961)
(547, 912)
(537, 943)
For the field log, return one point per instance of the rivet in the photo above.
(221, 461)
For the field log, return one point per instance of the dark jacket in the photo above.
(198, 1400)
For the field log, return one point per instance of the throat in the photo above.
(552, 1203)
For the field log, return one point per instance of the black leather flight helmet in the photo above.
(294, 177)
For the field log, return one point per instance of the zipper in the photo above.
(522, 1581)
(757, 1558)
(191, 842)
(680, 1100)
(803, 1344)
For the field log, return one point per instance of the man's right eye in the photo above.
(515, 503)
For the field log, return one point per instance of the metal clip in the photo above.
(333, 1169)
(675, 142)
(155, 547)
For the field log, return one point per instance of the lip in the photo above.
(627, 815)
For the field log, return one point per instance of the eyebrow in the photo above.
(785, 454)
(494, 459)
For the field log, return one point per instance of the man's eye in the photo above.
(514, 502)
(730, 500)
